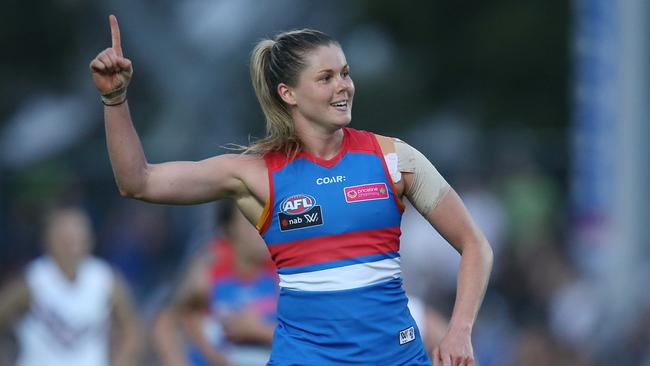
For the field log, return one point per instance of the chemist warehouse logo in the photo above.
(299, 211)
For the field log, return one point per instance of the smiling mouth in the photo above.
(340, 105)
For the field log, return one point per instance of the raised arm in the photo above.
(173, 182)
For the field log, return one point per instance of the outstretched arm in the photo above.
(174, 182)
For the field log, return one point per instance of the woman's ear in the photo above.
(286, 93)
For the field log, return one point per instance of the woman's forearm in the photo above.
(475, 267)
(125, 150)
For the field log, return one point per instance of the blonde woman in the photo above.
(326, 198)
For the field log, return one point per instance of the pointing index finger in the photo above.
(115, 35)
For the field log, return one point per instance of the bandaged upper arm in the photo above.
(427, 187)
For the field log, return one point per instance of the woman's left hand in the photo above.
(455, 349)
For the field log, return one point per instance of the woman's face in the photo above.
(324, 92)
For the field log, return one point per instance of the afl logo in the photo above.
(297, 204)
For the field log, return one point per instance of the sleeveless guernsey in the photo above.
(231, 292)
(67, 323)
(332, 228)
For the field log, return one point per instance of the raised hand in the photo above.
(111, 71)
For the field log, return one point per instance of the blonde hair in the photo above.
(275, 61)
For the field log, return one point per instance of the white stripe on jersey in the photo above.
(343, 278)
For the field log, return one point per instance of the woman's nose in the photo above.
(344, 83)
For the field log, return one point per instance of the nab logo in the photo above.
(298, 204)
(299, 211)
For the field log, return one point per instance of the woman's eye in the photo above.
(345, 74)
(326, 78)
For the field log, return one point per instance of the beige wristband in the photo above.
(115, 97)
(118, 96)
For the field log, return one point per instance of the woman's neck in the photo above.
(320, 142)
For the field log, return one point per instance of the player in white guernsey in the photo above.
(69, 308)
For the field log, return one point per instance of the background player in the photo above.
(70, 308)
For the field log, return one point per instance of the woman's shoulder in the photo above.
(362, 140)
(234, 165)
(386, 143)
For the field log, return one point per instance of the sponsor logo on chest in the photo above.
(330, 180)
(366, 192)
(298, 212)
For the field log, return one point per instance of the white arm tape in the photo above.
(428, 187)
(391, 162)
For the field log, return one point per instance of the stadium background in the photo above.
(535, 111)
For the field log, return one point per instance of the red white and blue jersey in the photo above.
(332, 228)
(231, 292)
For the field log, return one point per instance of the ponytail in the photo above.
(280, 61)
(280, 131)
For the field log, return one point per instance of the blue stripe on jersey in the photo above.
(339, 217)
(339, 263)
(349, 327)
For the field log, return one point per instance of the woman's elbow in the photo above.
(133, 192)
(482, 249)
(487, 253)
(132, 186)
(126, 193)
